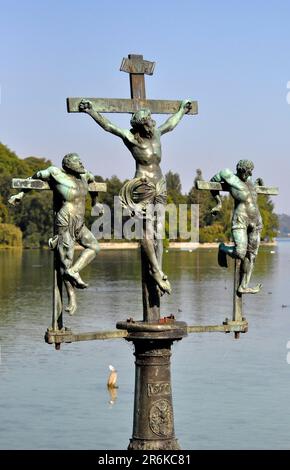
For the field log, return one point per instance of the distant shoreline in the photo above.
(183, 246)
(172, 245)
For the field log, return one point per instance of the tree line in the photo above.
(31, 223)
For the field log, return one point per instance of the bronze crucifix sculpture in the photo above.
(246, 226)
(70, 185)
(148, 185)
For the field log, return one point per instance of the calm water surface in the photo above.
(228, 394)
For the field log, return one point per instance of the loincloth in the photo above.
(138, 193)
(242, 222)
(72, 223)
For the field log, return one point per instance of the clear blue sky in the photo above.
(232, 56)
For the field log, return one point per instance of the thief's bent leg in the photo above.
(91, 248)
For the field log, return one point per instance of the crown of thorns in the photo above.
(140, 117)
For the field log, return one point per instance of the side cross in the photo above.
(237, 316)
(57, 307)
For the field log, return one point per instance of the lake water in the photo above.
(228, 394)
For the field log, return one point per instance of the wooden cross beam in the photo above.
(29, 183)
(137, 67)
(57, 310)
(214, 186)
(237, 297)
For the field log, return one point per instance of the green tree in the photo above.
(35, 218)
(224, 217)
(204, 199)
(173, 184)
(35, 211)
(10, 236)
(114, 185)
(270, 219)
(212, 233)
(4, 214)
(10, 166)
(35, 164)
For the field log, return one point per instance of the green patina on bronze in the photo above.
(246, 221)
(153, 414)
(246, 226)
(153, 426)
(143, 141)
(70, 186)
(148, 187)
(115, 105)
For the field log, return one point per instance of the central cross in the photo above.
(137, 68)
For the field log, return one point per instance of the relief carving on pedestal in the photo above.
(158, 388)
(161, 418)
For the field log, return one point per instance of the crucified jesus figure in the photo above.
(246, 222)
(70, 185)
(148, 185)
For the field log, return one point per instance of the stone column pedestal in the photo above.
(153, 424)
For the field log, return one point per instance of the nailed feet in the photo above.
(72, 307)
(162, 281)
(250, 290)
(75, 279)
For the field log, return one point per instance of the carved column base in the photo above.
(153, 426)
(165, 444)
